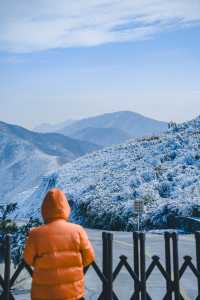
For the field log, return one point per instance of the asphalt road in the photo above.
(123, 285)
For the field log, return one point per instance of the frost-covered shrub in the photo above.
(81, 207)
(88, 189)
(134, 182)
(188, 182)
(148, 200)
(173, 143)
(159, 171)
(7, 225)
(116, 222)
(173, 126)
(148, 175)
(196, 210)
(117, 198)
(71, 199)
(192, 158)
(170, 156)
(115, 187)
(131, 224)
(112, 216)
(162, 216)
(167, 215)
(135, 194)
(19, 237)
(75, 179)
(18, 233)
(123, 197)
(197, 156)
(170, 176)
(189, 159)
(153, 161)
(165, 189)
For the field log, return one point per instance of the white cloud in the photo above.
(36, 25)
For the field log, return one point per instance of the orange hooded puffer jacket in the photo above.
(58, 251)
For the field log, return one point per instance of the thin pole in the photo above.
(104, 262)
(142, 266)
(136, 263)
(107, 265)
(176, 266)
(168, 264)
(197, 238)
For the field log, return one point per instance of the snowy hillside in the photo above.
(163, 170)
(26, 156)
(124, 123)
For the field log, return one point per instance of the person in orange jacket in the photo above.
(58, 252)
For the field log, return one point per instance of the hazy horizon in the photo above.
(89, 116)
(75, 60)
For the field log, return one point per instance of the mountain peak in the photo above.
(131, 123)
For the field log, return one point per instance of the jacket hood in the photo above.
(55, 206)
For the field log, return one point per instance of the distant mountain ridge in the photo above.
(102, 136)
(50, 143)
(26, 156)
(108, 129)
(133, 124)
(48, 128)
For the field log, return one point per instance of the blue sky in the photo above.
(150, 64)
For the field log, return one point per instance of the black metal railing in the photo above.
(170, 271)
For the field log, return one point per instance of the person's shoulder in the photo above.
(34, 230)
(75, 227)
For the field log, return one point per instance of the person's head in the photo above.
(55, 206)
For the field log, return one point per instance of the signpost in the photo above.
(138, 205)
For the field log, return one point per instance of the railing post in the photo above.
(197, 239)
(7, 268)
(136, 263)
(104, 261)
(110, 266)
(176, 267)
(168, 264)
(142, 266)
(107, 265)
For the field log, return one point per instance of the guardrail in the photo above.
(171, 271)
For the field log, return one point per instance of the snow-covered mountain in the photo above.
(102, 136)
(107, 129)
(164, 170)
(25, 157)
(127, 122)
